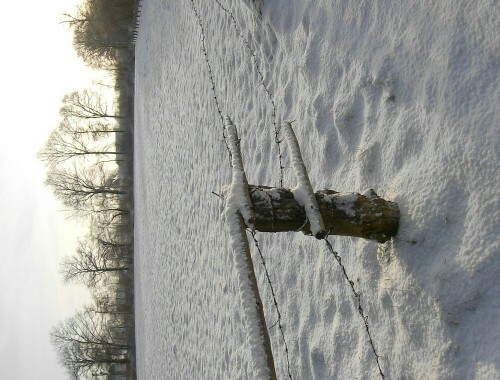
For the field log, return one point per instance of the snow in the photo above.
(345, 203)
(398, 97)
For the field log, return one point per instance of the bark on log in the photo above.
(347, 214)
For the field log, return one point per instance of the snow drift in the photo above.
(399, 97)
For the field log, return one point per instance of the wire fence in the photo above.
(357, 297)
(136, 18)
(276, 128)
(278, 141)
(218, 107)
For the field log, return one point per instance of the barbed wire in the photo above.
(361, 311)
(253, 233)
(211, 76)
(337, 257)
(281, 167)
(278, 322)
(263, 84)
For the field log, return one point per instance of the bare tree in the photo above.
(97, 52)
(70, 141)
(109, 239)
(91, 264)
(96, 129)
(110, 207)
(84, 344)
(80, 17)
(101, 205)
(107, 225)
(101, 28)
(86, 104)
(104, 303)
(81, 188)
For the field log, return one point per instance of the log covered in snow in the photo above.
(238, 215)
(347, 214)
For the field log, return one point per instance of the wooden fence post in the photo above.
(239, 216)
(267, 209)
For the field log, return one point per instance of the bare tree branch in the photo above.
(92, 263)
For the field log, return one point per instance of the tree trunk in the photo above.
(347, 214)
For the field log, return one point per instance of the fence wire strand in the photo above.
(278, 142)
(211, 75)
(276, 128)
(361, 311)
(278, 322)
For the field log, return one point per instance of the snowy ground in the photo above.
(400, 97)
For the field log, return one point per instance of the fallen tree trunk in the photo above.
(347, 214)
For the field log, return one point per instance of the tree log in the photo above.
(239, 217)
(346, 214)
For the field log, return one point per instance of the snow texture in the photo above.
(303, 191)
(400, 97)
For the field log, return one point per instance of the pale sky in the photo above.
(38, 67)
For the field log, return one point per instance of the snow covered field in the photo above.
(400, 97)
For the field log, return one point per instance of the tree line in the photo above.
(88, 157)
